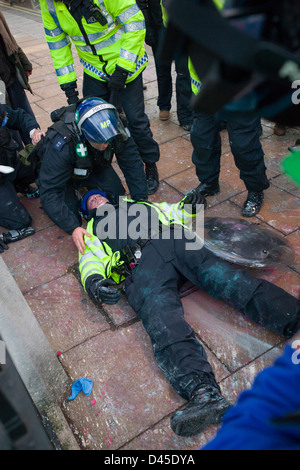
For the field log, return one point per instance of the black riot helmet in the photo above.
(247, 55)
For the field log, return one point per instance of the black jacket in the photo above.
(152, 12)
(61, 165)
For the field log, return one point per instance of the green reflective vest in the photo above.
(99, 258)
(119, 42)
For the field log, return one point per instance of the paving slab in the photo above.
(280, 209)
(131, 401)
(68, 317)
(40, 258)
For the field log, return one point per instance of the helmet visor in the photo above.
(100, 124)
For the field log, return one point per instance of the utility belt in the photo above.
(131, 256)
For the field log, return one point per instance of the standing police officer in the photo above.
(77, 152)
(109, 39)
(244, 137)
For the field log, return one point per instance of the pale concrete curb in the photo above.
(44, 377)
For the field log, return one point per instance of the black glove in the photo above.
(3, 246)
(106, 291)
(118, 79)
(15, 235)
(71, 92)
(193, 198)
(150, 38)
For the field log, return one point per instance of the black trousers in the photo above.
(245, 146)
(132, 101)
(152, 291)
(13, 214)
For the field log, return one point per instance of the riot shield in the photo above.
(246, 243)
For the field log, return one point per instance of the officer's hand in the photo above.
(77, 236)
(107, 292)
(3, 246)
(118, 78)
(150, 38)
(193, 198)
(71, 92)
(37, 135)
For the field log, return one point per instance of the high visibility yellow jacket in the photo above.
(100, 259)
(119, 42)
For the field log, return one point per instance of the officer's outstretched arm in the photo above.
(93, 268)
(78, 239)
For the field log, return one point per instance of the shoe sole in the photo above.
(193, 426)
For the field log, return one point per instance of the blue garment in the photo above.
(79, 385)
(251, 425)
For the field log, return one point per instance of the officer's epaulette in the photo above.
(64, 135)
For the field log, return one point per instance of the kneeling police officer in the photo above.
(77, 152)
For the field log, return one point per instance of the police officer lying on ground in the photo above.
(78, 151)
(14, 175)
(153, 264)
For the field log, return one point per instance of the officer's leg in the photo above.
(164, 80)
(132, 99)
(152, 291)
(259, 300)
(244, 133)
(183, 91)
(13, 214)
(206, 143)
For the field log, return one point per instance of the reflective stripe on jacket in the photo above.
(119, 42)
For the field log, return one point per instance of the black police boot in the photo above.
(152, 177)
(253, 203)
(208, 189)
(206, 407)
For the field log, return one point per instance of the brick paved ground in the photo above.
(131, 402)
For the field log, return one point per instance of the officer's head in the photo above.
(99, 122)
(90, 201)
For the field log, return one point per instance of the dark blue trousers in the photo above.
(132, 101)
(13, 214)
(182, 87)
(244, 133)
